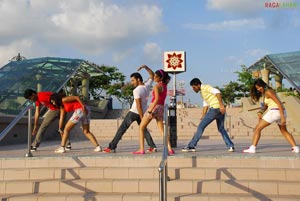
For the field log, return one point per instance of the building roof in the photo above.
(285, 64)
(52, 73)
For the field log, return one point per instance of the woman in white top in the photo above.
(273, 111)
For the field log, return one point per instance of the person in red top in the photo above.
(40, 99)
(80, 113)
(156, 108)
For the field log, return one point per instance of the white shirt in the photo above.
(141, 92)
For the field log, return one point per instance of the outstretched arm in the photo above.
(36, 120)
(151, 73)
(222, 107)
(61, 120)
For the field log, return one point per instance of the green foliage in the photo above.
(229, 92)
(123, 92)
(110, 81)
(233, 90)
(246, 80)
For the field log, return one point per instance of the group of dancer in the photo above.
(213, 109)
(59, 105)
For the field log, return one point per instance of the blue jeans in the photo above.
(128, 120)
(212, 114)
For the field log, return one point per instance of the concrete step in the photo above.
(253, 196)
(275, 188)
(250, 174)
(211, 173)
(150, 160)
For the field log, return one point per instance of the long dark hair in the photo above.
(56, 100)
(165, 77)
(254, 93)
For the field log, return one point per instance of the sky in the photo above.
(218, 36)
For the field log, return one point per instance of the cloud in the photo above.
(89, 26)
(153, 53)
(25, 47)
(247, 57)
(241, 7)
(257, 23)
(122, 55)
(101, 26)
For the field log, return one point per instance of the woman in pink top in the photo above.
(156, 108)
(80, 113)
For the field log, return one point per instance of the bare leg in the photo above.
(257, 133)
(287, 135)
(89, 135)
(160, 126)
(143, 126)
(66, 133)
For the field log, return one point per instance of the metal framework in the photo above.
(49, 72)
(284, 64)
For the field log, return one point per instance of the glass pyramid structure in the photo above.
(286, 64)
(49, 72)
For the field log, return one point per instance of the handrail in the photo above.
(14, 122)
(163, 166)
(28, 109)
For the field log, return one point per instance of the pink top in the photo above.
(162, 95)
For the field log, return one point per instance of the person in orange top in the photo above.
(273, 112)
(80, 113)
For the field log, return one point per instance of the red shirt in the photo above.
(71, 106)
(43, 98)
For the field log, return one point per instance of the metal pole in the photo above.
(174, 84)
(165, 182)
(163, 173)
(29, 154)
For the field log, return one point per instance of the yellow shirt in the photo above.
(270, 103)
(209, 97)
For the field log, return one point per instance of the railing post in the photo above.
(29, 154)
(163, 173)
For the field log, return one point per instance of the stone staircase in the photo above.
(239, 124)
(135, 178)
(210, 174)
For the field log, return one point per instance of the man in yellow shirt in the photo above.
(213, 109)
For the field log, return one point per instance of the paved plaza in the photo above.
(206, 148)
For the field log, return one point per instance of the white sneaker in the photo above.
(231, 149)
(98, 149)
(295, 149)
(250, 150)
(60, 150)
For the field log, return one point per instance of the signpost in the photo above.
(174, 63)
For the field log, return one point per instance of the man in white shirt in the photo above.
(138, 108)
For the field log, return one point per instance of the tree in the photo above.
(229, 92)
(123, 92)
(246, 80)
(110, 81)
(233, 90)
